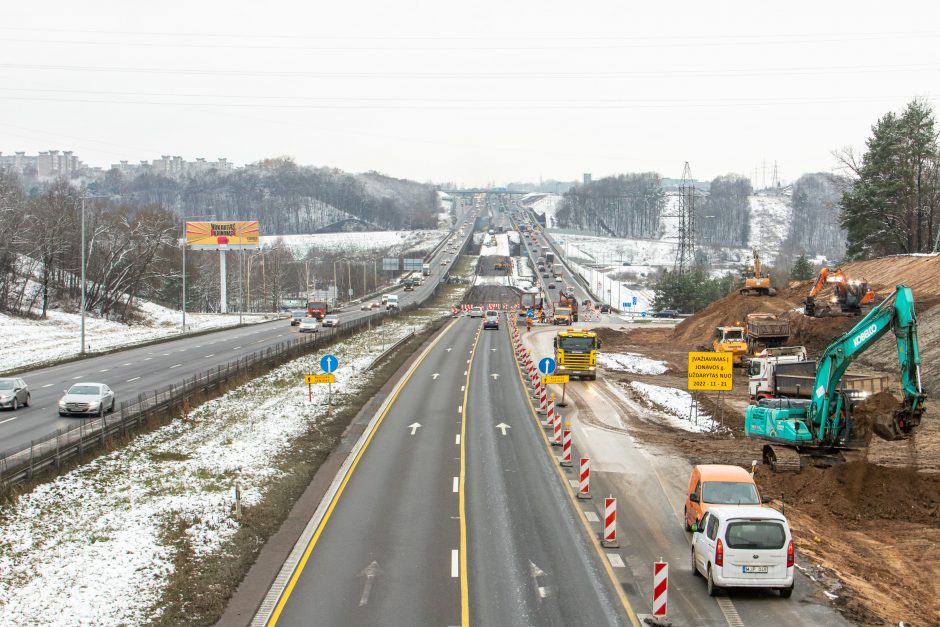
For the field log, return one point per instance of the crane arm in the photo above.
(896, 313)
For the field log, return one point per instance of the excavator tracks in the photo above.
(781, 458)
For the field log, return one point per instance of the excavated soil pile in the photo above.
(727, 311)
(858, 492)
(611, 338)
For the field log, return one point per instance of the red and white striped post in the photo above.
(543, 400)
(556, 427)
(566, 446)
(584, 487)
(610, 523)
(660, 587)
(549, 421)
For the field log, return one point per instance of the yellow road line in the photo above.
(464, 584)
(574, 502)
(326, 517)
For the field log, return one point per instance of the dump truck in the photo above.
(426, 269)
(576, 353)
(567, 299)
(730, 340)
(765, 330)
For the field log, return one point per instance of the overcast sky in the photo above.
(472, 92)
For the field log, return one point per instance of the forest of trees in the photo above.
(815, 225)
(133, 229)
(627, 205)
(893, 205)
(284, 197)
(722, 217)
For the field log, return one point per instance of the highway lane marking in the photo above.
(48, 385)
(615, 560)
(591, 516)
(8, 420)
(166, 354)
(462, 500)
(210, 355)
(463, 388)
(127, 364)
(455, 563)
(342, 477)
(458, 439)
(176, 366)
(78, 377)
(236, 348)
(615, 582)
(456, 484)
(460, 409)
(731, 614)
(147, 358)
(134, 379)
(105, 370)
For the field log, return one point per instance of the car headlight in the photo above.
(4, 397)
(61, 403)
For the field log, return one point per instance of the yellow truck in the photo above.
(576, 353)
(730, 340)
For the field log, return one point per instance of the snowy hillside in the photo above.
(357, 243)
(543, 204)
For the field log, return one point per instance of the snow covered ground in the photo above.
(91, 547)
(616, 293)
(30, 342)
(544, 204)
(501, 247)
(396, 242)
(770, 219)
(675, 406)
(632, 363)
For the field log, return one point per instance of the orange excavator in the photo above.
(850, 296)
(755, 282)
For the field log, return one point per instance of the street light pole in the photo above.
(82, 351)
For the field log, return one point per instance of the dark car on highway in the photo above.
(666, 313)
(605, 308)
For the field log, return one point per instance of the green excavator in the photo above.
(816, 430)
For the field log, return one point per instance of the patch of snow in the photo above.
(501, 247)
(358, 242)
(544, 204)
(632, 363)
(676, 406)
(29, 342)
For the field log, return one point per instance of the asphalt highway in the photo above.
(142, 370)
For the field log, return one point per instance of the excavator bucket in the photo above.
(898, 425)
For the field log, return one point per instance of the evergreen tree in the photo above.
(894, 206)
(802, 269)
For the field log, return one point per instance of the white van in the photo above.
(744, 546)
(391, 301)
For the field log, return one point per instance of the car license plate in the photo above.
(755, 569)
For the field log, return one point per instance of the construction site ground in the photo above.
(868, 528)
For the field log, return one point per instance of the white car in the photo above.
(87, 399)
(444, 261)
(331, 320)
(309, 325)
(744, 546)
(476, 312)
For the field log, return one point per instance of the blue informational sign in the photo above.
(329, 363)
(643, 315)
(530, 313)
(625, 305)
(547, 365)
(634, 300)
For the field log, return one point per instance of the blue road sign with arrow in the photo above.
(329, 363)
(547, 365)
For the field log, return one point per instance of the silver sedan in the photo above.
(87, 399)
(14, 393)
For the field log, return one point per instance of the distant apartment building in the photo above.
(174, 167)
(44, 167)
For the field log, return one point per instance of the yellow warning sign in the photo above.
(555, 378)
(320, 378)
(710, 371)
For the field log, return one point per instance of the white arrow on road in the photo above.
(502, 427)
(495, 376)
(414, 427)
(535, 572)
(435, 375)
(449, 349)
(369, 572)
(493, 349)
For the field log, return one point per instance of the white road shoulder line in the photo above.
(454, 563)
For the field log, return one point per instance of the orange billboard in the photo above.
(222, 235)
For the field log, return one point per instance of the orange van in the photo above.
(714, 485)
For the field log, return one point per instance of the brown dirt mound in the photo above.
(724, 312)
(857, 492)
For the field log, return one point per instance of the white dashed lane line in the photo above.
(134, 379)
(176, 366)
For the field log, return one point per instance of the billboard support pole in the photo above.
(223, 307)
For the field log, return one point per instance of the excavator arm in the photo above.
(826, 412)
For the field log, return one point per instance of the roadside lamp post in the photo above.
(185, 218)
(84, 197)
